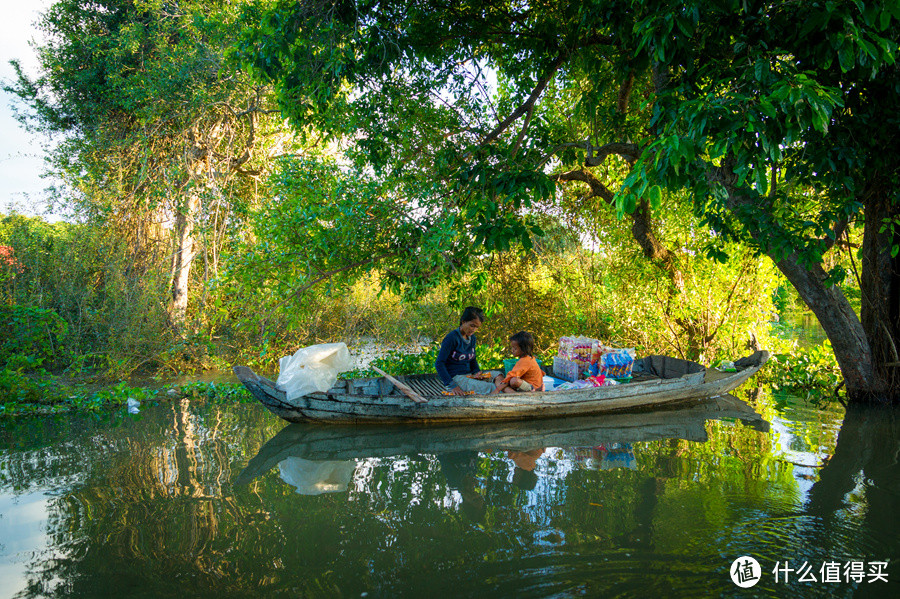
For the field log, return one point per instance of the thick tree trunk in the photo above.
(184, 257)
(880, 290)
(845, 330)
(843, 327)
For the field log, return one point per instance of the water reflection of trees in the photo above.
(862, 481)
(149, 506)
(142, 499)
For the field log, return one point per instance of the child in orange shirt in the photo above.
(526, 375)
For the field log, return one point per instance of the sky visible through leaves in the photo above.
(21, 187)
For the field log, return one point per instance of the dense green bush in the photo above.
(111, 301)
(811, 370)
(32, 338)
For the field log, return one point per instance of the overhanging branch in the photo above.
(529, 103)
(597, 154)
(641, 223)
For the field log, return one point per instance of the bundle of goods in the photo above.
(581, 357)
(567, 370)
(592, 381)
(577, 349)
(616, 364)
(574, 357)
(605, 456)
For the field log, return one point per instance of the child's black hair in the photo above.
(525, 341)
(471, 313)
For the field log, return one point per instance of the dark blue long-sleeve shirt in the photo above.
(457, 356)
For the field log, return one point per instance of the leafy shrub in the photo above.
(32, 337)
(214, 391)
(813, 370)
(111, 298)
(17, 387)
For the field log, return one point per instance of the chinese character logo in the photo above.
(745, 572)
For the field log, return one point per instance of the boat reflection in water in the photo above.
(316, 458)
(314, 478)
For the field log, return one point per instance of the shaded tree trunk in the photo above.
(880, 289)
(183, 258)
(867, 449)
(841, 324)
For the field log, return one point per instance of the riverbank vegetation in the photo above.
(560, 190)
(74, 321)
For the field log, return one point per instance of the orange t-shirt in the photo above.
(528, 370)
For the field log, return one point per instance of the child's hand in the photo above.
(458, 391)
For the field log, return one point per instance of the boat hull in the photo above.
(376, 400)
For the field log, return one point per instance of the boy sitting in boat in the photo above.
(526, 375)
(456, 363)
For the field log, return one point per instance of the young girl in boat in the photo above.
(456, 362)
(526, 375)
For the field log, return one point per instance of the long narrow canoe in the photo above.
(659, 381)
(321, 442)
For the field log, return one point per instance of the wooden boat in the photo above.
(321, 442)
(658, 381)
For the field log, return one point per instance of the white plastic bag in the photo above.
(313, 368)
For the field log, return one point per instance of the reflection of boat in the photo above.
(658, 381)
(312, 441)
(314, 478)
(615, 455)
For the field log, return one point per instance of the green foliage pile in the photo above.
(215, 392)
(812, 371)
(24, 395)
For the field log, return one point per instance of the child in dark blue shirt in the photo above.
(456, 359)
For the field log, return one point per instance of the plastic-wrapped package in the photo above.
(315, 478)
(575, 385)
(576, 349)
(567, 370)
(617, 364)
(313, 368)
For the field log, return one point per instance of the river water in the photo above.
(198, 499)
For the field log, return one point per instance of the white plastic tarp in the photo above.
(313, 368)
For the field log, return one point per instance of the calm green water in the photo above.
(198, 500)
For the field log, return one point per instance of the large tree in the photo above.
(157, 134)
(779, 118)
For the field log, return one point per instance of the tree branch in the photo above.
(598, 189)
(625, 94)
(522, 132)
(630, 152)
(840, 227)
(327, 275)
(597, 154)
(641, 223)
(529, 103)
